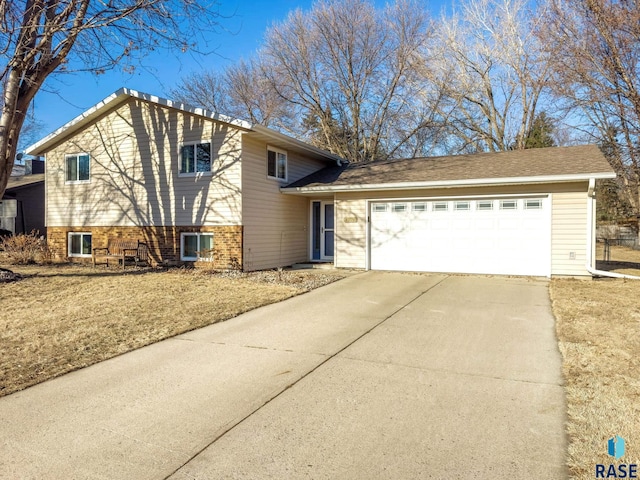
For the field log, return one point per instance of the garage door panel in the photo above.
(483, 239)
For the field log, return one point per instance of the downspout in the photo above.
(590, 260)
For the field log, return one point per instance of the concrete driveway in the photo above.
(381, 375)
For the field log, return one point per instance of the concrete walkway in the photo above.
(381, 375)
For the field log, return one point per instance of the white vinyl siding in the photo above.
(569, 233)
(135, 179)
(350, 232)
(276, 226)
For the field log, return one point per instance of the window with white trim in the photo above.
(508, 204)
(79, 244)
(195, 246)
(484, 205)
(420, 207)
(462, 205)
(195, 157)
(533, 204)
(399, 207)
(77, 168)
(276, 163)
(440, 206)
(379, 207)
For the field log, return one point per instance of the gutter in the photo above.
(589, 265)
(474, 182)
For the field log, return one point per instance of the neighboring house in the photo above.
(23, 204)
(185, 181)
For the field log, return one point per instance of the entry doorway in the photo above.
(322, 231)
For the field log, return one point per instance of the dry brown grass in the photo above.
(598, 326)
(622, 260)
(61, 318)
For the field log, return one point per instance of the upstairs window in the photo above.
(77, 168)
(276, 163)
(195, 158)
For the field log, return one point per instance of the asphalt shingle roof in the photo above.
(540, 162)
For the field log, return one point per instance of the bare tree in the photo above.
(241, 91)
(492, 70)
(39, 38)
(350, 72)
(597, 70)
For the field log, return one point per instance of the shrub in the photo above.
(25, 249)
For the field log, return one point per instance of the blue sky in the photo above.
(66, 96)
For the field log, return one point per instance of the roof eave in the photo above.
(116, 98)
(315, 151)
(480, 182)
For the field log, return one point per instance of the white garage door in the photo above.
(509, 236)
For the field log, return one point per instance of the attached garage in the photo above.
(508, 235)
(527, 212)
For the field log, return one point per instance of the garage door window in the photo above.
(533, 204)
(379, 207)
(484, 205)
(399, 207)
(508, 204)
(419, 207)
(440, 206)
(462, 206)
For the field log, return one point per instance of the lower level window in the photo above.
(194, 243)
(79, 244)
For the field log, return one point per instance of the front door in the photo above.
(322, 230)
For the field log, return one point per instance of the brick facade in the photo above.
(163, 242)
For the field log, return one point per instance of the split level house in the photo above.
(187, 181)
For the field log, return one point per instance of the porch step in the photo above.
(313, 265)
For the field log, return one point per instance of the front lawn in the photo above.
(61, 318)
(598, 327)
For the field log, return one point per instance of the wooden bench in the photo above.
(122, 250)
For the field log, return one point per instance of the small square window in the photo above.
(196, 246)
(419, 207)
(79, 244)
(508, 204)
(462, 206)
(484, 205)
(379, 207)
(195, 158)
(399, 207)
(440, 206)
(533, 204)
(77, 168)
(276, 163)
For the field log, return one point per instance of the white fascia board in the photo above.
(480, 182)
(117, 97)
(296, 143)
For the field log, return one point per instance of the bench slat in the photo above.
(122, 250)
